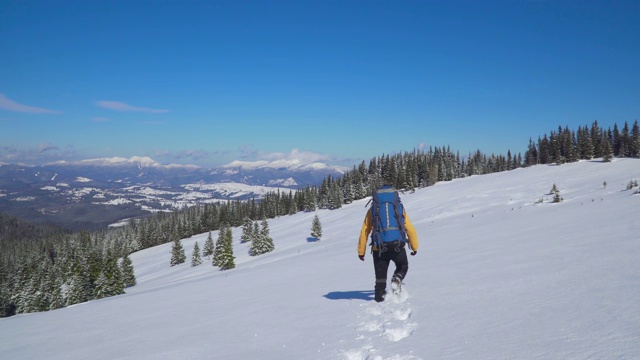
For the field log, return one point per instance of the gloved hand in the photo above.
(414, 252)
(361, 257)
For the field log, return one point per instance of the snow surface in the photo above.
(499, 275)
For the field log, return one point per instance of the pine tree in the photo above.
(57, 300)
(634, 146)
(262, 243)
(218, 252)
(73, 293)
(247, 230)
(316, 228)
(607, 151)
(227, 259)
(101, 286)
(556, 194)
(115, 283)
(195, 257)
(128, 274)
(557, 198)
(80, 287)
(208, 246)
(177, 253)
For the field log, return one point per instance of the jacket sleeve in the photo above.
(364, 233)
(411, 233)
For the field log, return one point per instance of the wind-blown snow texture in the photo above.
(497, 276)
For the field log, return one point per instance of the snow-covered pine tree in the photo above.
(57, 300)
(73, 293)
(226, 260)
(101, 286)
(208, 248)
(128, 275)
(247, 230)
(316, 228)
(219, 247)
(115, 284)
(262, 243)
(78, 288)
(195, 257)
(177, 253)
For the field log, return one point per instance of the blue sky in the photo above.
(208, 82)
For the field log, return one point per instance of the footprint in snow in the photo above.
(389, 320)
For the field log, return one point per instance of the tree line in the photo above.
(42, 270)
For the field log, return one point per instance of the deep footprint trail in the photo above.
(388, 321)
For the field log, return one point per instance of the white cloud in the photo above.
(8, 104)
(120, 106)
(302, 157)
(44, 153)
(47, 147)
(294, 159)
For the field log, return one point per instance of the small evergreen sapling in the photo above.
(556, 194)
(316, 228)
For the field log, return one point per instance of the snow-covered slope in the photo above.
(499, 274)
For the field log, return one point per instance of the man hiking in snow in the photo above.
(390, 229)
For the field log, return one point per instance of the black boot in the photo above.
(381, 285)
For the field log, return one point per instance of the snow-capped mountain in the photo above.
(137, 161)
(97, 192)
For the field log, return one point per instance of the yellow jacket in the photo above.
(367, 225)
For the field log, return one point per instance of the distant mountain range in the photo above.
(95, 193)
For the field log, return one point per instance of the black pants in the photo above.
(381, 265)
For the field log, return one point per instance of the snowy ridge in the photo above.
(138, 161)
(234, 190)
(502, 272)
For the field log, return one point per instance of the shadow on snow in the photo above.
(351, 295)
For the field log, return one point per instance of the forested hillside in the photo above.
(42, 270)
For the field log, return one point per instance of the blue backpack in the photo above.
(387, 214)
